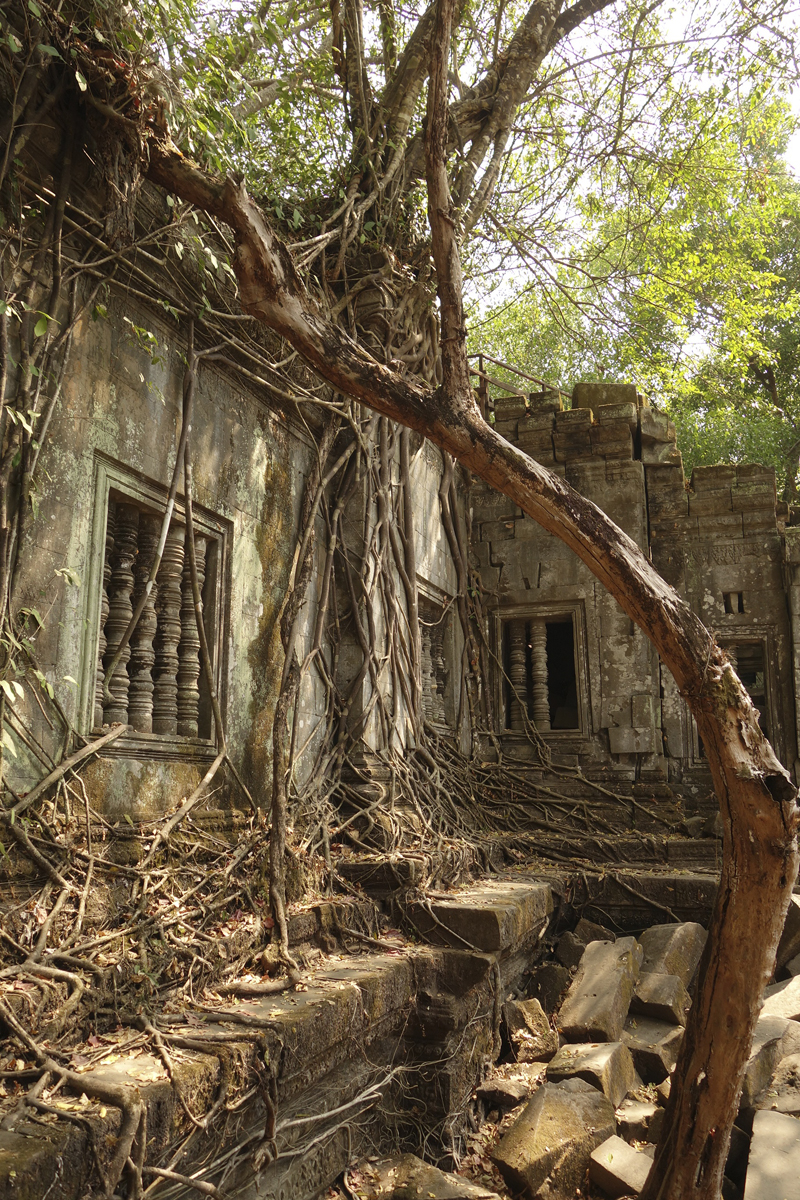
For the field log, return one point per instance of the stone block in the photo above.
(782, 1093)
(793, 965)
(552, 1139)
(655, 426)
(572, 419)
(573, 443)
(502, 1093)
(408, 1175)
(489, 505)
(642, 711)
(663, 1090)
(497, 531)
(773, 1165)
(662, 997)
(713, 479)
(598, 999)
(610, 414)
(783, 1000)
(529, 1031)
(589, 931)
(538, 445)
(618, 1168)
(673, 949)
(759, 522)
(548, 984)
(764, 1058)
(613, 440)
(639, 1120)
(509, 408)
(707, 504)
(753, 495)
(546, 401)
(569, 950)
(489, 917)
(537, 423)
(589, 395)
(606, 1065)
(654, 1046)
(789, 945)
(627, 740)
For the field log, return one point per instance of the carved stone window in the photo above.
(543, 671)
(435, 636)
(158, 686)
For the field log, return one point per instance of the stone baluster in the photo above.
(427, 673)
(168, 635)
(100, 677)
(189, 648)
(140, 667)
(540, 695)
(439, 673)
(120, 609)
(517, 645)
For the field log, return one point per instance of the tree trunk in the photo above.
(755, 793)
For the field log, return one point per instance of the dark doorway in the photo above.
(562, 684)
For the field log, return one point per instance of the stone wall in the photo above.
(720, 540)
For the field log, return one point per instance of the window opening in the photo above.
(734, 602)
(158, 686)
(540, 674)
(748, 662)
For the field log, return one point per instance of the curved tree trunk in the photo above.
(755, 793)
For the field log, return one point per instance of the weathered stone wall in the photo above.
(721, 541)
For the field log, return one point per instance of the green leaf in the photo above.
(34, 8)
(51, 50)
(80, 80)
(40, 328)
(8, 743)
(14, 43)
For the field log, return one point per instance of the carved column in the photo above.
(120, 609)
(189, 649)
(102, 643)
(427, 673)
(168, 635)
(140, 667)
(517, 645)
(439, 679)
(540, 695)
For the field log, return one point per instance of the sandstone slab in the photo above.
(662, 997)
(619, 1169)
(606, 1065)
(773, 1167)
(598, 999)
(673, 949)
(548, 984)
(639, 1121)
(552, 1139)
(502, 1093)
(409, 1178)
(764, 1057)
(783, 1000)
(529, 1031)
(654, 1046)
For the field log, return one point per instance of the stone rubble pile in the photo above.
(605, 1025)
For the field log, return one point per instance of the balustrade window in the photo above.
(541, 680)
(436, 653)
(158, 686)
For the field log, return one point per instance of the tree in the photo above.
(463, 149)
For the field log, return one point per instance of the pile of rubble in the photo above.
(581, 1109)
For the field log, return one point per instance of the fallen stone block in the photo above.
(548, 984)
(409, 1178)
(663, 1090)
(662, 997)
(764, 1057)
(783, 1000)
(502, 1093)
(553, 1138)
(598, 1000)
(639, 1120)
(790, 1042)
(589, 931)
(569, 951)
(619, 1169)
(782, 1093)
(673, 949)
(606, 1065)
(529, 1031)
(773, 1166)
(654, 1046)
(793, 965)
